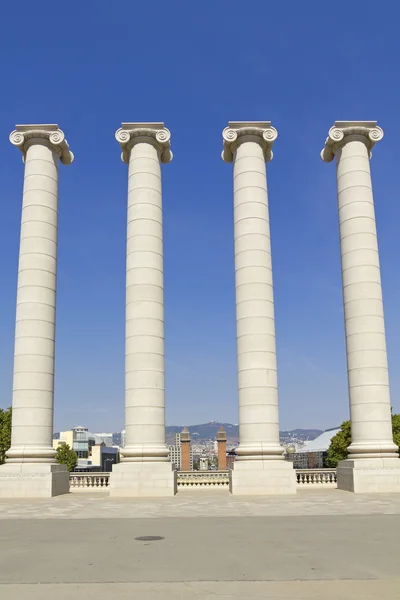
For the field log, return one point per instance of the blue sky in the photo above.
(90, 65)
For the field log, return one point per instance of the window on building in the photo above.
(82, 454)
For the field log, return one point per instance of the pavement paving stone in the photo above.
(200, 503)
(319, 544)
(210, 590)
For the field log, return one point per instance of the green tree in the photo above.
(396, 429)
(5, 432)
(67, 456)
(341, 441)
(339, 444)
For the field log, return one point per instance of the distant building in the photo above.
(230, 458)
(186, 455)
(313, 454)
(103, 458)
(175, 455)
(92, 456)
(175, 452)
(79, 439)
(221, 449)
(104, 438)
(204, 463)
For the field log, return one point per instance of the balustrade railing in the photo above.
(89, 482)
(194, 479)
(316, 477)
(99, 482)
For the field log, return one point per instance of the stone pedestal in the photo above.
(33, 480)
(259, 467)
(143, 479)
(363, 476)
(31, 468)
(145, 455)
(373, 463)
(262, 478)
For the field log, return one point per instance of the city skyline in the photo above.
(203, 434)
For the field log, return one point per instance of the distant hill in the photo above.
(304, 434)
(207, 431)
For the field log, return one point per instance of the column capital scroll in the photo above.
(25, 136)
(130, 134)
(238, 132)
(347, 131)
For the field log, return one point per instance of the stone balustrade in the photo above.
(93, 482)
(316, 478)
(194, 479)
(99, 482)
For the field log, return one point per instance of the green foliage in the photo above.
(339, 444)
(67, 456)
(5, 432)
(396, 429)
(342, 440)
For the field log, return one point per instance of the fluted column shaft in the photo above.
(33, 385)
(249, 148)
(144, 364)
(367, 368)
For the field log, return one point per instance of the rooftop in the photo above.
(321, 443)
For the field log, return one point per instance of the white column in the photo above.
(145, 469)
(248, 146)
(42, 147)
(372, 444)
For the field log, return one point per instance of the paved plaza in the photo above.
(318, 544)
(201, 503)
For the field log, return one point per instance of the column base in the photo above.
(262, 478)
(30, 480)
(369, 475)
(143, 479)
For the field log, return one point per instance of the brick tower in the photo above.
(221, 439)
(185, 449)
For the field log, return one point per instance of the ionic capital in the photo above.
(347, 131)
(239, 132)
(156, 134)
(25, 136)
